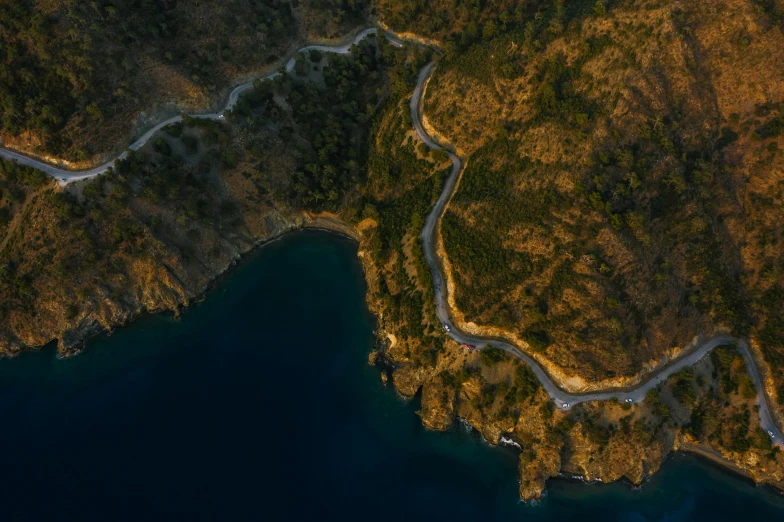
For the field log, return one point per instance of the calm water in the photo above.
(258, 404)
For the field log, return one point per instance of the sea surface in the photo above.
(258, 404)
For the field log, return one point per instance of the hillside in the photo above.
(159, 227)
(623, 174)
(77, 79)
(621, 197)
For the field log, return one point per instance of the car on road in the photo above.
(772, 436)
(446, 327)
(629, 401)
(566, 406)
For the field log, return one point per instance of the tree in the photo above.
(492, 356)
(489, 30)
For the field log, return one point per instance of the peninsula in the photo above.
(344, 137)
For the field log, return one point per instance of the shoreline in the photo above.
(508, 443)
(341, 229)
(727, 466)
(549, 374)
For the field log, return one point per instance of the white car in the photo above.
(446, 327)
(566, 406)
(629, 401)
(772, 436)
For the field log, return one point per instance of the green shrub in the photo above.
(526, 382)
(191, 144)
(174, 130)
(161, 146)
(492, 356)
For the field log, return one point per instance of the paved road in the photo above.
(563, 399)
(65, 176)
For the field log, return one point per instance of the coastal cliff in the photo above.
(335, 137)
(171, 277)
(595, 442)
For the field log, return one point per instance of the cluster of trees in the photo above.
(53, 67)
(557, 97)
(78, 66)
(17, 289)
(596, 431)
(480, 250)
(12, 173)
(492, 356)
(707, 422)
(621, 186)
(105, 229)
(502, 396)
(161, 181)
(773, 129)
(333, 120)
(732, 372)
(14, 180)
(329, 121)
(682, 389)
(704, 419)
(656, 405)
(773, 10)
(392, 161)
(771, 334)
(340, 11)
(232, 33)
(525, 382)
(41, 77)
(394, 218)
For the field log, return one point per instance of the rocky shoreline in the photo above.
(544, 453)
(406, 380)
(71, 339)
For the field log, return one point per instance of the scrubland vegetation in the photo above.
(604, 216)
(73, 68)
(203, 187)
(622, 195)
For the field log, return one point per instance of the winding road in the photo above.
(562, 398)
(65, 176)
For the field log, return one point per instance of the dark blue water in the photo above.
(258, 404)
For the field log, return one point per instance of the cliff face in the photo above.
(596, 442)
(166, 273)
(158, 228)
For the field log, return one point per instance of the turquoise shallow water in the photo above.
(258, 404)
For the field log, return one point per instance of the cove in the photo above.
(258, 404)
